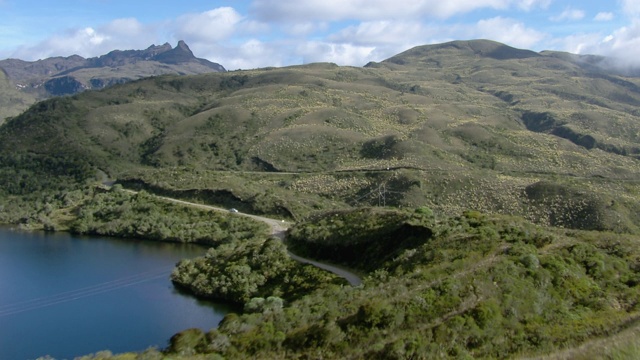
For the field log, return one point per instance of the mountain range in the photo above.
(57, 76)
(467, 124)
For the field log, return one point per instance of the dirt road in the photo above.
(278, 229)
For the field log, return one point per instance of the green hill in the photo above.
(463, 125)
(490, 196)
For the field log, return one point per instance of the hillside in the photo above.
(470, 287)
(490, 196)
(12, 101)
(464, 125)
(58, 76)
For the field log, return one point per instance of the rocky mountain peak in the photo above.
(62, 76)
(157, 49)
(183, 46)
(178, 55)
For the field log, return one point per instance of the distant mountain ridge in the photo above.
(455, 126)
(57, 76)
(441, 55)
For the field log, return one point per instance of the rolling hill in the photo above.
(463, 125)
(489, 195)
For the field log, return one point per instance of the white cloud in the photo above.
(578, 43)
(379, 40)
(210, 26)
(569, 14)
(88, 42)
(249, 54)
(603, 16)
(214, 26)
(305, 28)
(124, 27)
(531, 4)
(252, 27)
(359, 31)
(622, 46)
(508, 31)
(341, 54)
(253, 54)
(79, 42)
(365, 10)
(374, 41)
(382, 32)
(631, 7)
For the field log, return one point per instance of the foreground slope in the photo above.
(472, 286)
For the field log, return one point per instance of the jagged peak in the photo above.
(183, 45)
(180, 54)
(165, 46)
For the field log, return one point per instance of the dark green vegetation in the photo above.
(470, 128)
(364, 239)
(243, 270)
(478, 286)
(120, 213)
(22, 82)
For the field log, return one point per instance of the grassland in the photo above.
(455, 131)
(12, 101)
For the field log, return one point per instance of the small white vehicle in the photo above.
(233, 210)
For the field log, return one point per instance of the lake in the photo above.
(66, 296)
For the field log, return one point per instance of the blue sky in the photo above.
(257, 33)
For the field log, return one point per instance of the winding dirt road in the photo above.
(278, 229)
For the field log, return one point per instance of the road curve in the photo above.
(278, 229)
(352, 278)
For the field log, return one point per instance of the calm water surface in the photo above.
(67, 296)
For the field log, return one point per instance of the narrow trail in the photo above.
(278, 229)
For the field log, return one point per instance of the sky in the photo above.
(245, 34)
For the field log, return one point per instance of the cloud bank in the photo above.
(354, 32)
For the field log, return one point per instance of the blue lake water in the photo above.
(66, 296)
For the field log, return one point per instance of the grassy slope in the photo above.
(536, 136)
(12, 101)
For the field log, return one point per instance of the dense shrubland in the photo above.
(24, 174)
(123, 214)
(250, 268)
(364, 238)
(478, 287)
